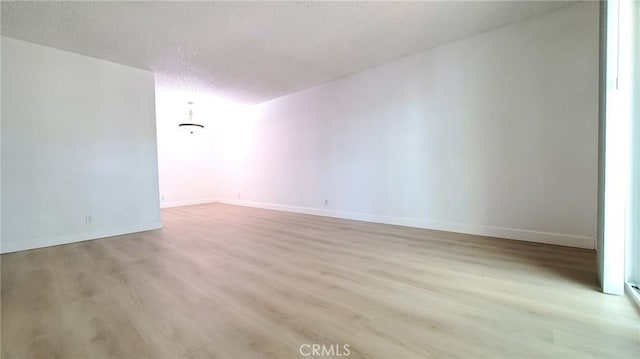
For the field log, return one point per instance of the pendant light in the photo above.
(191, 126)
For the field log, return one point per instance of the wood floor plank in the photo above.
(221, 281)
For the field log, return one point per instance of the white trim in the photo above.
(562, 239)
(21, 245)
(617, 151)
(633, 293)
(186, 203)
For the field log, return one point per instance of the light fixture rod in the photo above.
(190, 124)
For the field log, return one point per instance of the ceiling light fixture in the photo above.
(191, 126)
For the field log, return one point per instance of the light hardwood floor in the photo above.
(222, 281)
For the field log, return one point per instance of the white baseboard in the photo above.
(15, 246)
(491, 231)
(186, 203)
(561, 239)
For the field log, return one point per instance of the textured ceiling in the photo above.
(254, 51)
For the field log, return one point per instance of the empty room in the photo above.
(320, 179)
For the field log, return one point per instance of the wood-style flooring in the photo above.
(221, 281)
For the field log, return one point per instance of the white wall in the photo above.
(78, 138)
(186, 162)
(618, 254)
(494, 134)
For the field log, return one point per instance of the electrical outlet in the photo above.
(88, 219)
(326, 202)
(162, 197)
(238, 194)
